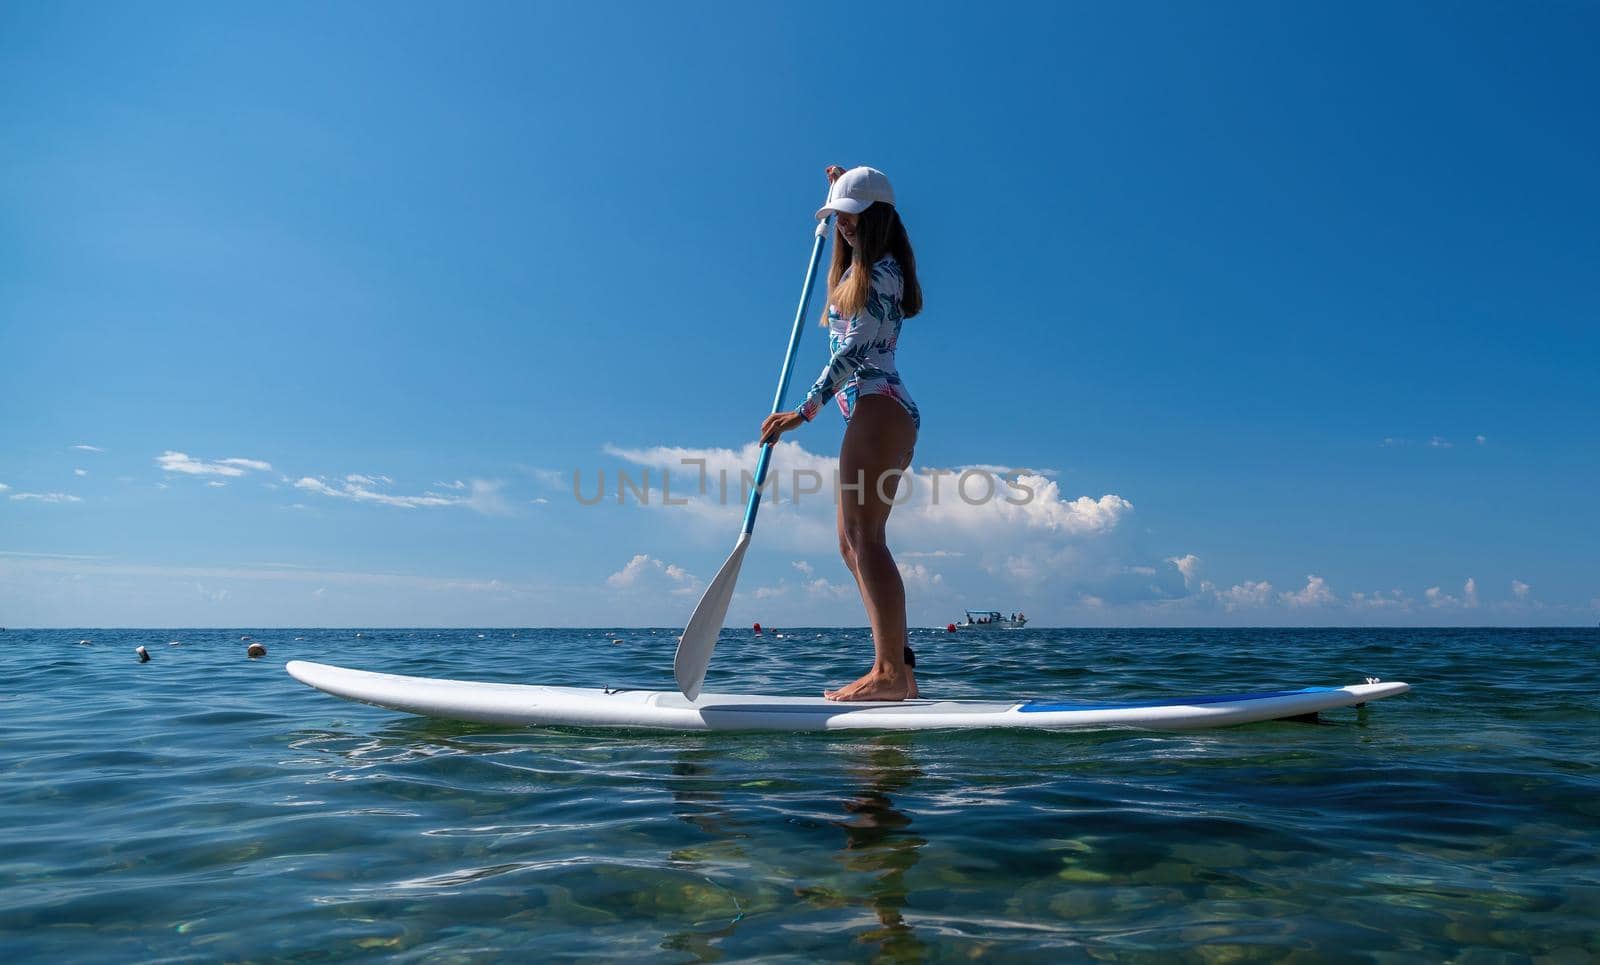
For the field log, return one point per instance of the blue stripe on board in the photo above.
(1040, 706)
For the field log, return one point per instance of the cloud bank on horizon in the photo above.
(975, 535)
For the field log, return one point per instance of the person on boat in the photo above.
(872, 288)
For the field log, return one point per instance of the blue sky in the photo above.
(1291, 307)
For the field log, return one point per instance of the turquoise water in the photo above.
(206, 806)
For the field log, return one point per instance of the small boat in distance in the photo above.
(993, 618)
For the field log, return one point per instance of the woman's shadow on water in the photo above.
(878, 842)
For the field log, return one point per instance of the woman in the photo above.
(872, 288)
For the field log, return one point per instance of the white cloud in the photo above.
(1440, 600)
(3, 487)
(629, 574)
(179, 462)
(1380, 600)
(213, 596)
(645, 571)
(827, 589)
(255, 464)
(538, 500)
(967, 496)
(484, 498)
(1482, 440)
(1049, 510)
(82, 447)
(316, 486)
(1188, 565)
(1053, 543)
(994, 469)
(1520, 589)
(458, 484)
(1314, 593)
(1438, 442)
(1246, 594)
(1047, 553)
(917, 577)
(363, 480)
(216, 485)
(47, 497)
(80, 472)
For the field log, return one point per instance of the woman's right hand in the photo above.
(778, 423)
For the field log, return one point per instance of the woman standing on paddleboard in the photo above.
(872, 288)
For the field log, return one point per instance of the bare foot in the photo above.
(878, 685)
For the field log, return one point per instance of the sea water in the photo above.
(205, 806)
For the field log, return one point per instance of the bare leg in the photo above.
(849, 556)
(879, 441)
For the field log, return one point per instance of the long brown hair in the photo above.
(880, 232)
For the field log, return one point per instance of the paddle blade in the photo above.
(700, 636)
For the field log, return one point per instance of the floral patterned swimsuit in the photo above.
(863, 350)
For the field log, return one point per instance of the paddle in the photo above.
(700, 636)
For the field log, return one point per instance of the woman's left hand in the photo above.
(778, 423)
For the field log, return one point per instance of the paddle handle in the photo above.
(800, 313)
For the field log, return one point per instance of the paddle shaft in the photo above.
(788, 370)
(700, 636)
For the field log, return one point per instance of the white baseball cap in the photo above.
(855, 192)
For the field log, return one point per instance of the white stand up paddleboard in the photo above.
(490, 703)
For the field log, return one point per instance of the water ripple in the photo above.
(205, 806)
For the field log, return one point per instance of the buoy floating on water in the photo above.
(757, 629)
(144, 655)
(949, 628)
(255, 650)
